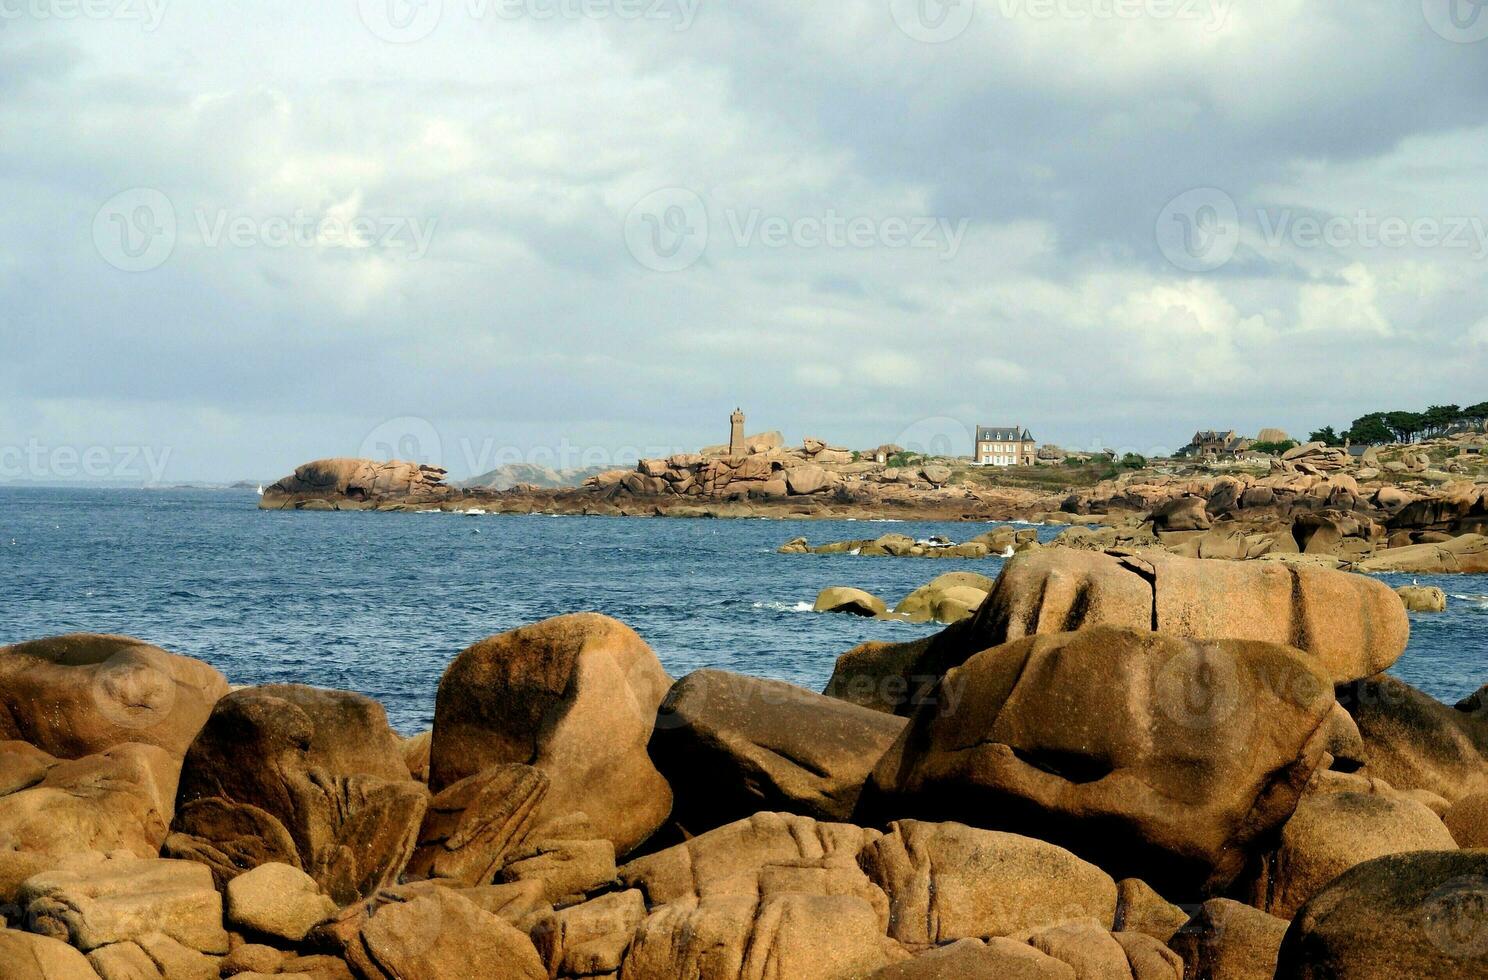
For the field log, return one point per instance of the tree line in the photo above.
(1377, 428)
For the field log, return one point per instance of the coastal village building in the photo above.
(1213, 442)
(999, 446)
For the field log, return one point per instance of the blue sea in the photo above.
(380, 603)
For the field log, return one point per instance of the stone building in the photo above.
(1004, 446)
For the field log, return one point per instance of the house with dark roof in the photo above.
(1213, 442)
(1004, 446)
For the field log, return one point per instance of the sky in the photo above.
(242, 234)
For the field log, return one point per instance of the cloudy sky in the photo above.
(239, 234)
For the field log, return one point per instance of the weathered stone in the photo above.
(805, 937)
(321, 769)
(566, 867)
(590, 939)
(124, 961)
(119, 800)
(440, 934)
(474, 824)
(575, 697)
(1422, 598)
(1467, 820)
(949, 881)
(277, 900)
(732, 746)
(972, 959)
(1414, 742)
(1141, 909)
(1405, 915)
(1227, 940)
(85, 693)
(1331, 832)
(126, 900)
(27, 957)
(1087, 740)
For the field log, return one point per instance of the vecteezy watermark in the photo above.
(669, 230)
(408, 439)
(139, 230)
(407, 21)
(37, 461)
(147, 13)
(933, 21)
(938, 21)
(1200, 230)
(411, 439)
(1455, 917)
(1458, 21)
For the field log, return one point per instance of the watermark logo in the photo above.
(147, 13)
(667, 230)
(1199, 687)
(37, 461)
(1455, 917)
(939, 436)
(1458, 21)
(408, 439)
(933, 21)
(1199, 230)
(401, 21)
(670, 229)
(135, 230)
(134, 689)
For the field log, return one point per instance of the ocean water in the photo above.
(380, 603)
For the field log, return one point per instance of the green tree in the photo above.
(1277, 448)
(1326, 435)
(1370, 430)
(1438, 418)
(1133, 461)
(1405, 425)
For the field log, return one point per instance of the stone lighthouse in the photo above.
(736, 433)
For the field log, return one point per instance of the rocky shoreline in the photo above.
(1117, 766)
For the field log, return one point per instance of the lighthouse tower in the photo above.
(736, 433)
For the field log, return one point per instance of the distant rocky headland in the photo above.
(1417, 508)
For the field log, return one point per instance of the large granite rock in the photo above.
(948, 881)
(972, 959)
(119, 800)
(731, 746)
(1228, 940)
(278, 901)
(1332, 831)
(475, 825)
(356, 484)
(311, 778)
(126, 900)
(1414, 742)
(84, 693)
(24, 956)
(1467, 553)
(574, 696)
(1150, 755)
(1355, 626)
(1419, 915)
(437, 934)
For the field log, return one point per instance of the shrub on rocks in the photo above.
(574, 696)
(732, 746)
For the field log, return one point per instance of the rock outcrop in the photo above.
(574, 696)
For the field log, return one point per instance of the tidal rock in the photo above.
(356, 484)
(277, 900)
(1467, 553)
(574, 696)
(1422, 598)
(856, 602)
(1418, 915)
(919, 605)
(1086, 740)
(948, 881)
(732, 746)
(84, 693)
(301, 776)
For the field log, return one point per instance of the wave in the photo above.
(784, 606)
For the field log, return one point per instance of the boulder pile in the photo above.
(1115, 767)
